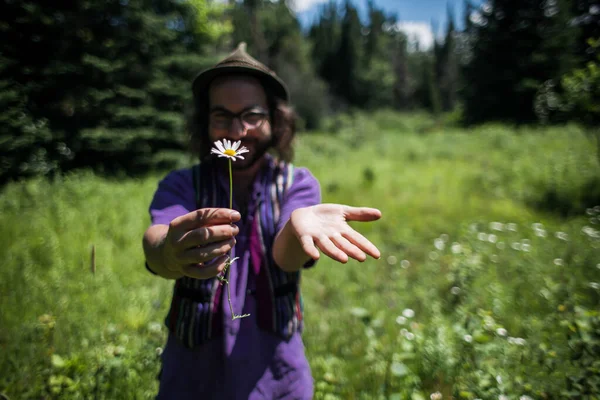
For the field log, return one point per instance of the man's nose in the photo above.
(237, 129)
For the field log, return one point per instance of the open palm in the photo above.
(325, 227)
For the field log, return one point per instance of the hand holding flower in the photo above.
(184, 246)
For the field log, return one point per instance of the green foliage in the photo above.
(209, 19)
(480, 292)
(109, 80)
(516, 46)
(577, 96)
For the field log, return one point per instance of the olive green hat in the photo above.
(240, 62)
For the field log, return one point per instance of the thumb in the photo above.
(364, 214)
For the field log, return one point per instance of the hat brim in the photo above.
(202, 81)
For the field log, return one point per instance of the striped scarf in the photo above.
(196, 315)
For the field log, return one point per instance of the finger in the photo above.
(309, 247)
(207, 235)
(205, 217)
(347, 247)
(362, 243)
(327, 247)
(199, 271)
(364, 214)
(206, 253)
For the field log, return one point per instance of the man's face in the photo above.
(244, 98)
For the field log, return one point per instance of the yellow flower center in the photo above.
(229, 152)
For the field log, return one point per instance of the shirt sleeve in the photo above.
(304, 192)
(173, 197)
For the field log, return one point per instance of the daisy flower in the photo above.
(232, 152)
(229, 150)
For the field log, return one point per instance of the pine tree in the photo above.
(325, 38)
(517, 45)
(103, 83)
(346, 83)
(377, 76)
(446, 67)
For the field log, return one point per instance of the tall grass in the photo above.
(488, 283)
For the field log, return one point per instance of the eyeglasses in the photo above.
(250, 119)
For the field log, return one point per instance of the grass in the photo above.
(460, 252)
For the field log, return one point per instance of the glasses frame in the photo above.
(240, 116)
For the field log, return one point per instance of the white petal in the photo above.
(242, 151)
(215, 151)
(240, 157)
(236, 145)
(227, 144)
(219, 146)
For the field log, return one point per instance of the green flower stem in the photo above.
(229, 260)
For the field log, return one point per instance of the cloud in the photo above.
(417, 30)
(303, 5)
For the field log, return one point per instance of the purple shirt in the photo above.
(246, 362)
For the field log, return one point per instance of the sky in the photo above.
(415, 16)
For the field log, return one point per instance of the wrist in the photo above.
(154, 250)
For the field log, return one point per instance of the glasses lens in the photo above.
(220, 121)
(253, 119)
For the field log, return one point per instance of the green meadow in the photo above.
(488, 286)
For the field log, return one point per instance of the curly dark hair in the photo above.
(283, 125)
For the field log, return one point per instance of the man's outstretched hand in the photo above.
(325, 227)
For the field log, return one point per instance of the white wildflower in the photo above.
(496, 226)
(435, 396)
(392, 260)
(455, 290)
(540, 233)
(155, 327)
(595, 285)
(439, 244)
(401, 320)
(405, 264)
(229, 150)
(408, 313)
(456, 248)
(511, 227)
(559, 262)
(591, 232)
(562, 236)
(501, 332)
(482, 236)
(492, 238)
(468, 338)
